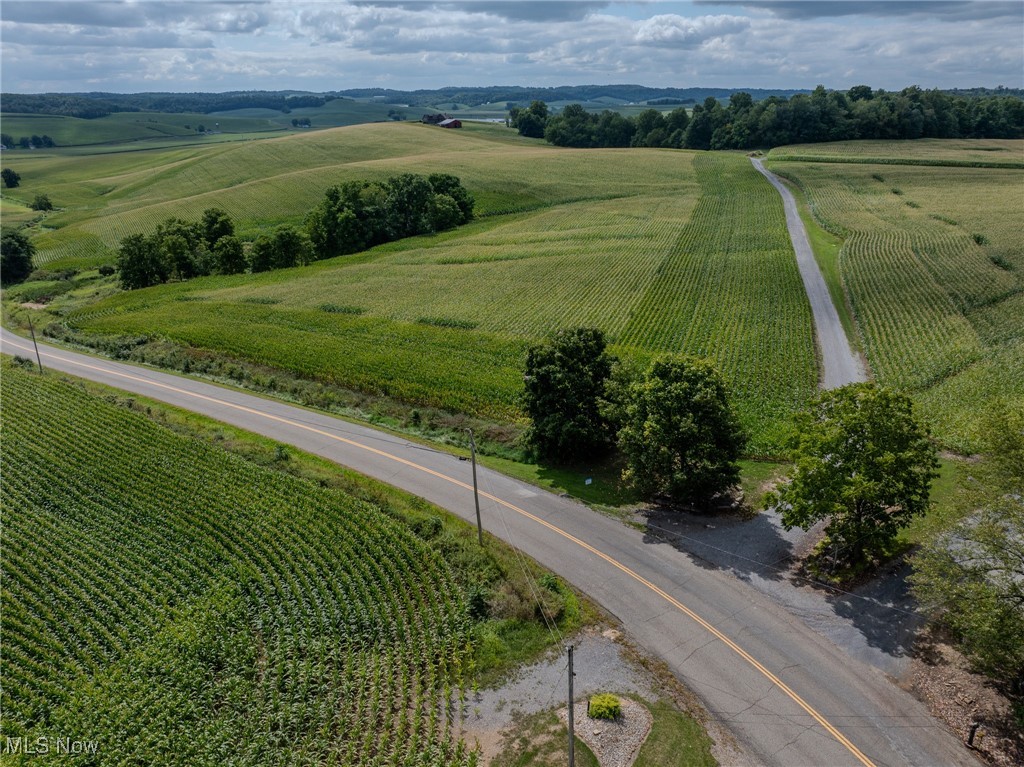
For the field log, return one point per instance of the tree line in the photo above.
(743, 123)
(27, 142)
(351, 217)
(93, 105)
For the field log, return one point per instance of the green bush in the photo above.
(604, 706)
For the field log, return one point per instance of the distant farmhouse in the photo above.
(443, 120)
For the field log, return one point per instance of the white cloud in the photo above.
(676, 30)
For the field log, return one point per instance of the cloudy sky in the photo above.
(136, 45)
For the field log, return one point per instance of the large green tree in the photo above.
(680, 435)
(863, 463)
(16, 251)
(10, 177)
(565, 382)
(970, 574)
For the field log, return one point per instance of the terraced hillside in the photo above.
(175, 604)
(664, 250)
(933, 264)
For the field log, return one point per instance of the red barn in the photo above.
(451, 122)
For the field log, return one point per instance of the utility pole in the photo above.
(476, 493)
(572, 728)
(32, 330)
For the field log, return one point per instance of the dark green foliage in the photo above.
(565, 383)
(679, 434)
(862, 462)
(107, 269)
(972, 574)
(285, 247)
(16, 252)
(10, 177)
(229, 255)
(360, 214)
(530, 122)
(180, 250)
(41, 202)
(821, 115)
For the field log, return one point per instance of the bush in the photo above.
(604, 706)
(41, 202)
(106, 270)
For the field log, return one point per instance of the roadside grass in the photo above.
(503, 641)
(675, 739)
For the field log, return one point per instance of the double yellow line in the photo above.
(843, 740)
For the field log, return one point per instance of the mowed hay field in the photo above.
(933, 264)
(176, 604)
(663, 250)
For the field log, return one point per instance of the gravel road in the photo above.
(839, 364)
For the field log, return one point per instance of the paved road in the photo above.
(839, 364)
(788, 695)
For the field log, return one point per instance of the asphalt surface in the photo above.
(839, 364)
(788, 695)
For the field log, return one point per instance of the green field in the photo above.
(180, 605)
(933, 264)
(147, 127)
(996, 153)
(663, 250)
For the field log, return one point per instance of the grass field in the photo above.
(180, 605)
(996, 153)
(122, 127)
(665, 251)
(933, 264)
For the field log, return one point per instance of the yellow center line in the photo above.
(843, 740)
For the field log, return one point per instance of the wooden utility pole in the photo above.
(572, 728)
(476, 493)
(32, 330)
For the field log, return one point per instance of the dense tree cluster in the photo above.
(16, 253)
(27, 142)
(822, 115)
(352, 217)
(179, 250)
(360, 214)
(11, 177)
(971, 574)
(93, 105)
(673, 423)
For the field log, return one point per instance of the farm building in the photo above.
(451, 123)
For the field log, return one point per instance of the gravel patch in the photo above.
(615, 743)
(600, 665)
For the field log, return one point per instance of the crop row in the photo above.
(932, 263)
(186, 607)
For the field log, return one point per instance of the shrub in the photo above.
(107, 269)
(604, 706)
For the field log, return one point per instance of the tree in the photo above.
(229, 255)
(971, 574)
(679, 433)
(280, 249)
(16, 252)
(41, 202)
(10, 177)
(140, 262)
(862, 462)
(7, 140)
(216, 223)
(564, 383)
(447, 184)
(408, 205)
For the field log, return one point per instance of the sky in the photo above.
(192, 45)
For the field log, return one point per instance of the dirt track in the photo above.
(839, 364)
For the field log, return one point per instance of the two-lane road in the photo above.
(790, 696)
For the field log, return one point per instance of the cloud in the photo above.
(672, 30)
(227, 17)
(949, 10)
(513, 10)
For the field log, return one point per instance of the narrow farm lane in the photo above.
(839, 364)
(788, 695)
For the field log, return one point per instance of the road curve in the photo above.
(839, 364)
(788, 695)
